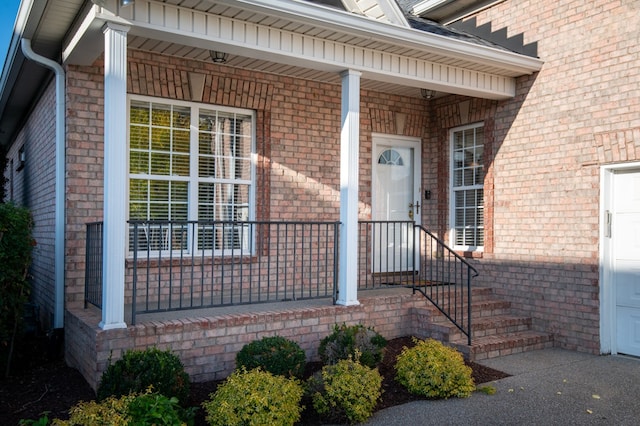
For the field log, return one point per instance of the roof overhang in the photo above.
(448, 11)
(300, 37)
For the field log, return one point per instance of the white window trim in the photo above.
(452, 210)
(192, 179)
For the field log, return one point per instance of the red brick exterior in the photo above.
(33, 186)
(207, 346)
(543, 152)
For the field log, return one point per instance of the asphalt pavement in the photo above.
(546, 387)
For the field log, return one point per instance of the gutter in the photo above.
(58, 316)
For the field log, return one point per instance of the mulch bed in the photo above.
(40, 384)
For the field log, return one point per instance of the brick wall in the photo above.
(578, 113)
(34, 187)
(207, 346)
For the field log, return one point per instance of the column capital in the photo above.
(115, 27)
(350, 72)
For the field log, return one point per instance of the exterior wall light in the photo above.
(218, 57)
(427, 93)
(126, 2)
(22, 158)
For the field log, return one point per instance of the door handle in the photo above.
(411, 207)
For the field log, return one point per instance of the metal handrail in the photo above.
(444, 277)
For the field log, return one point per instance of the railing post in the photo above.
(135, 274)
(469, 306)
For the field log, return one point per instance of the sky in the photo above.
(8, 12)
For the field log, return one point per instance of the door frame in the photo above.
(406, 142)
(608, 342)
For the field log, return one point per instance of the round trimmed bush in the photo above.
(346, 391)
(275, 354)
(137, 370)
(255, 398)
(434, 370)
(346, 340)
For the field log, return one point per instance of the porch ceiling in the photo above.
(291, 37)
(306, 40)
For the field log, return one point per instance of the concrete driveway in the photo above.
(547, 387)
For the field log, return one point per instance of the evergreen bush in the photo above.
(434, 370)
(145, 409)
(137, 370)
(275, 354)
(346, 391)
(255, 398)
(346, 340)
(16, 246)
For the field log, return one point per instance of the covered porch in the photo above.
(204, 288)
(299, 39)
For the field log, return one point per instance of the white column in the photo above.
(349, 164)
(115, 175)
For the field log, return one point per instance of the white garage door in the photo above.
(625, 236)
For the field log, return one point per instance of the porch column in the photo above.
(349, 158)
(115, 175)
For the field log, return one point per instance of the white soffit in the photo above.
(304, 35)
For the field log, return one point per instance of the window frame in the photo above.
(454, 189)
(194, 180)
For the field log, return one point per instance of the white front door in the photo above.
(395, 197)
(625, 243)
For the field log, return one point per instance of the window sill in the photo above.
(470, 254)
(188, 260)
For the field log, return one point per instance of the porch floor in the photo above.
(258, 308)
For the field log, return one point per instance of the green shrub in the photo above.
(42, 421)
(137, 370)
(345, 340)
(434, 370)
(16, 246)
(276, 355)
(255, 397)
(347, 391)
(155, 409)
(144, 409)
(111, 411)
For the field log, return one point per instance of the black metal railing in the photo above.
(400, 253)
(93, 265)
(386, 254)
(191, 265)
(444, 277)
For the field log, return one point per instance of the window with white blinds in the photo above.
(467, 187)
(189, 161)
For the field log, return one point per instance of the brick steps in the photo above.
(496, 330)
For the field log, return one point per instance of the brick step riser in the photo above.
(479, 295)
(486, 309)
(503, 348)
(448, 332)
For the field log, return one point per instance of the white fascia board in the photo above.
(24, 12)
(389, 8)
(393, 12)
(427, 5)
(350, 23)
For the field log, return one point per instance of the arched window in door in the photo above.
(391, 157)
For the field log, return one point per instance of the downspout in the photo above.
(58, 315)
